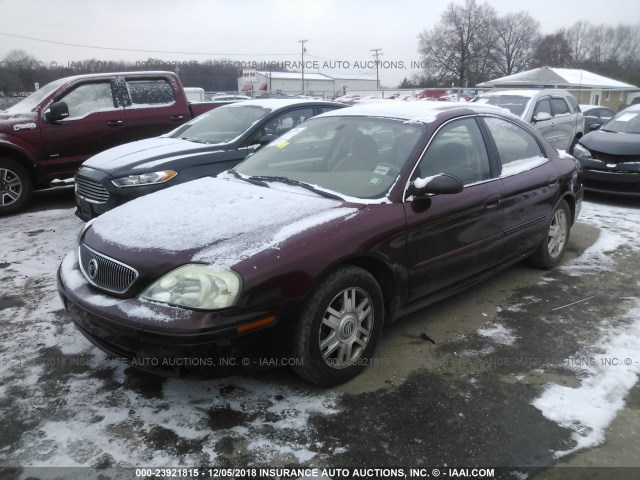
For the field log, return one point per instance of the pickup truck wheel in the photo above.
(16, 186)
(552, 247)
(337, 333)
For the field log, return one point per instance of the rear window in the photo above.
(150, 92)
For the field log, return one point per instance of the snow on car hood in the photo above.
(218, 221)
(150, 152)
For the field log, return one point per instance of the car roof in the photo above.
(413, 111)
(525, 92)
(589, 107)
(276, 103)
(632, 108)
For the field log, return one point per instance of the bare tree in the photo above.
(552, 51)
(457, 48)
(578, 37)
(515, 36)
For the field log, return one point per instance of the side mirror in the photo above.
(265, 139)
(541, 116)
(594, 126)
(56, 111)
(443, 183)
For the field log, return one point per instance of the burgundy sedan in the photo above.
(300, 254)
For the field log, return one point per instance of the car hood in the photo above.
(147, 154)
(612, 143)
(14, 122)
(209, 220)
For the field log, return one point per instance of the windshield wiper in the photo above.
(194, 140)
(297, 183)
(247, 179)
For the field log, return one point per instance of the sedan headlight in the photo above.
(581, 153)
(144, 179)
(196, 286)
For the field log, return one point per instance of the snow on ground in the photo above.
(70, 405)
(610, 368)
(64, 403)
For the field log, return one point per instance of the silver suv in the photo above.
(555, 113)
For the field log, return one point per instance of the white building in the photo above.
(316, 84)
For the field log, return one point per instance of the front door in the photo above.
(95, 123)
(452, 237)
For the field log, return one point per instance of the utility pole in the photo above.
(302, 42)
(376, 54)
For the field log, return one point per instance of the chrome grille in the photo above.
(104, 272)
(91, 190)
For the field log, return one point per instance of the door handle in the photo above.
(176, 118)
(492, 202)
(115, 123)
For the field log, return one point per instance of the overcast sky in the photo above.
(258, 31)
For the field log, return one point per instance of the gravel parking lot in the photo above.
(529, 370)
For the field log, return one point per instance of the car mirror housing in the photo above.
(56, 111)
(541, 116)
(443, 183)
(594, 126)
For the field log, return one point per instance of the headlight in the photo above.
(581, 153)
(144, 179)
(196, 286)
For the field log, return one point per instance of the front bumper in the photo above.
(190, 344)
(617, 179)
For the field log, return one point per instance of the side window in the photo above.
(285, 122)
(326, 109)
(573, 103)
(543, 106)
(559, 107)
(457, 149)
(89, 98)
(150, 92)
(518, 149)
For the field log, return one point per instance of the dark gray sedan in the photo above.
(207, 145)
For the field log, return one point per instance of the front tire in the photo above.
(339, 328)
(554, 244)
(16, 186)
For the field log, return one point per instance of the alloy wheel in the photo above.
(346, 327)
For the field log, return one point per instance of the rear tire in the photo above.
(339, 327)
(16, 186)
(554, 244)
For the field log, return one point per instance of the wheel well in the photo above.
(382, 273)
(571, 201)
(21, 159)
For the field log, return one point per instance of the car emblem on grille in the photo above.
(93, 268)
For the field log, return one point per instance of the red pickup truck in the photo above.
(50, 133)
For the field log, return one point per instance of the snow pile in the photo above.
(618, 226)
(499, 334)
(607, 378)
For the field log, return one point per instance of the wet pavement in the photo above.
(459, 384)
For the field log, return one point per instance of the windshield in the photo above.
(516, 104)
(351, 156)
(33, 100)
(222, 124)
(624, 122)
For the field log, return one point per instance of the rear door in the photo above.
(530, 185)
(151, 107)
(95, 123)
(564, 122)
(452, 237)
